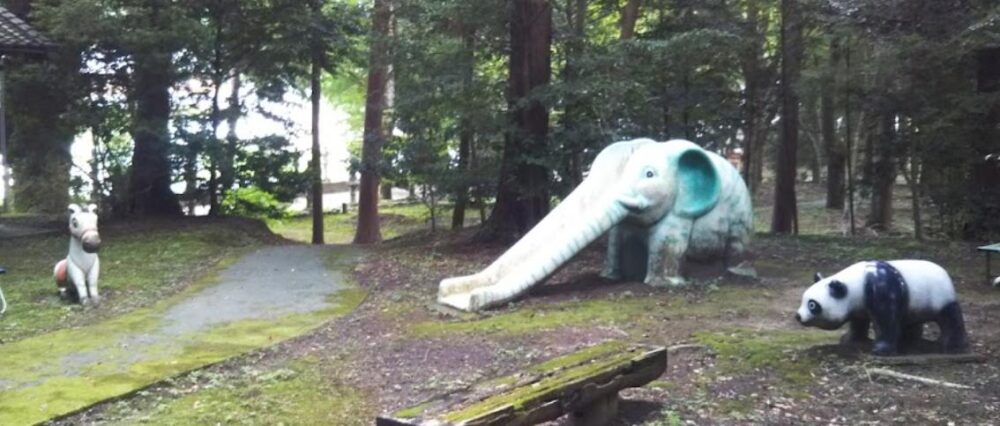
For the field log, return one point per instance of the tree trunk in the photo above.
(215, 150)
(371, 152)
(227, 169)
(835, 155)
(785, 209)
(883, 174)
(149, 188)
(630, 14)
(757, 114)
(316, 92)
(522, 197)
(466, 133)
(573, 119)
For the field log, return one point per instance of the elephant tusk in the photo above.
(634, 202)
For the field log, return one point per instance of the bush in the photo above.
(253, 202)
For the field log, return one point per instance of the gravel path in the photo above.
(269, 295)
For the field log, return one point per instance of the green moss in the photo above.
(518, 397)
(632, 311)
(413, 412)
(137, 269)
(293, 394)
(741, 351)
(42, 390)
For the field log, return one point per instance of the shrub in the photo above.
(253, 202)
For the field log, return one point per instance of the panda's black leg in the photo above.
(887, 333)
(857, 332)
(953, 337)
(912, 335)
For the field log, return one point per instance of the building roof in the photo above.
(16, 36)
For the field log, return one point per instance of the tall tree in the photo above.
(836, 159)
(371, 152)
(629, 16)
(466, 131)
(37, 100)
(315, 95)
(785, 215)
(522, 197)
(757, 67)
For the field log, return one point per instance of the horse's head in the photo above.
(83, 226)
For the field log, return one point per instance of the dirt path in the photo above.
(267, 296)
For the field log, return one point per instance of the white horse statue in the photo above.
(76, 275)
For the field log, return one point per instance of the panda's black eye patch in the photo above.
(814, 308)
(838, 290)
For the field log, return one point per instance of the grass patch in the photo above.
(338, 228)
(742, 351)
(137, 269)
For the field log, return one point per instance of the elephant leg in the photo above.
(612, 261)
(668, 243)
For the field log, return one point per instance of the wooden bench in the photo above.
(584, 384)
(989, 249)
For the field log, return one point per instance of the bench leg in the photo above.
(599, 413)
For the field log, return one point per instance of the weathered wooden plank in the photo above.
(543, 392)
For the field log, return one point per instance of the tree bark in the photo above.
(835, 155)
(883, 175)
(785, 212)
(757, 113)
(227, 169)
(630, 15)
(149, 188)
(368, 231)
(522, 197)
(466, 133)
(316, 92)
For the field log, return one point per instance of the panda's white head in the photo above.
(825, 304)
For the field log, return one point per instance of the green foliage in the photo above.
(253, 202)
(271, 164)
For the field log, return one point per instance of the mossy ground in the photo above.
(43, 377)
(140, 265)
(293, 393)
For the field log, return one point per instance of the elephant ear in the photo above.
(698, 185)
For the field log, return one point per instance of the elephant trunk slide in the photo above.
(586, 214)
(555, 240)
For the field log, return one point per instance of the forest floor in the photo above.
(748, 361)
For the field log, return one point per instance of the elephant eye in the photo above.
(649, 173)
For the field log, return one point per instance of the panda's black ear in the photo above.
(838, 290)
(816, 277)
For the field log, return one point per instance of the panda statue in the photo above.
(895, 297)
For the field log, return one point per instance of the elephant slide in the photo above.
(663, 202)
